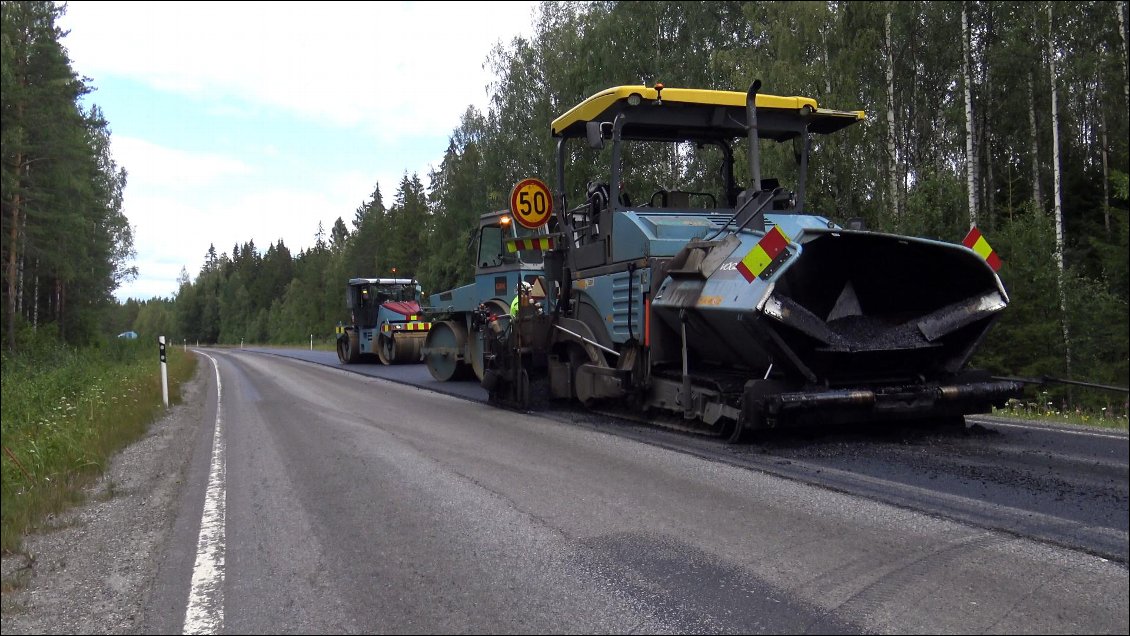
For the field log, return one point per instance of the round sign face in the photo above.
(531, 203)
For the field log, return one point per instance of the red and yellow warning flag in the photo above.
(542, 244)
(766, 256)
(976, 242)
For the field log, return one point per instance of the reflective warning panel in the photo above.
(766, 256)
(536, 244)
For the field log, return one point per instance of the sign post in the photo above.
(164, 374)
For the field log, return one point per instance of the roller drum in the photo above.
(443, 351)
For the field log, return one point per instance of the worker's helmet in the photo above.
(525, 287)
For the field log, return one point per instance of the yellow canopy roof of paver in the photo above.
(720, 109)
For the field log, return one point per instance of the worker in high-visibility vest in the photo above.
(524, 289)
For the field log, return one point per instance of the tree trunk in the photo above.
(60, 319)
(831, 174)
(1120, 9)
(14, 233)
(1037, 198)
(970, 158)
(35, 299)
(1106, 172)
(20, 266)
(987, 184)
(1057, 196)
(827, 62)
(986, 137)
(892, 155)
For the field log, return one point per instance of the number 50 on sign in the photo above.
(531, 203)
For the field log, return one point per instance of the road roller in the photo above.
(385, 321)
(507, 255)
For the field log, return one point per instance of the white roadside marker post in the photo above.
(164, 373)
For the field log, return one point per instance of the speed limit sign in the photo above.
(531, 203)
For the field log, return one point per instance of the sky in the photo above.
(240, 121)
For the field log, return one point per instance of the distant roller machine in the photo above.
(385, 321)
(507, 254)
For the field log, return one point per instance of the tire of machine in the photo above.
(343, 348)
(476, 341)
(741, 431)
(753, 417)
(490, 380)
(354, 346)
(495, 370)
(349, 347)
(577, 357)
(386, 349)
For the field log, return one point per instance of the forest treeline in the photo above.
(1008, 115)
(66, 243)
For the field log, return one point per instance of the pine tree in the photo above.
(62, 192)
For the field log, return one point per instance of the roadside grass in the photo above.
(319, 344)
(65, 412)
(1101, 418)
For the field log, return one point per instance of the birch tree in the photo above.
(970, 157)
(892, 156)
(1034, 159)
(1056, 194)
(1120, 9)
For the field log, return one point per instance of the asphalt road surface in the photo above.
(304, 498)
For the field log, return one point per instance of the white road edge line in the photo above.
(205, 611)
(1046, 427)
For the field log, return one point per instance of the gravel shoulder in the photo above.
(93, 570)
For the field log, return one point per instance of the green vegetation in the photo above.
(72, 394)
(66, 411)
(66, 243)
(1112, 417)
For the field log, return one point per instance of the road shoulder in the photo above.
(93, 570)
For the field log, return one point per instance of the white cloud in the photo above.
(396, 72)
(393, 68)
(180, 202)
(170, 233)
(156, 166)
